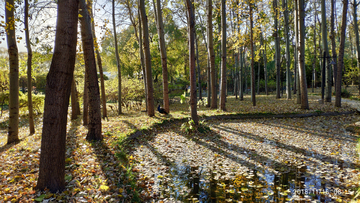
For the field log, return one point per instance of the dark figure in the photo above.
(161, 110)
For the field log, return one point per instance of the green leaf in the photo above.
(40, 198)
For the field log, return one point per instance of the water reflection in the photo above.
(187, 183)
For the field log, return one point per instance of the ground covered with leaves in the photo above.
(155, 159)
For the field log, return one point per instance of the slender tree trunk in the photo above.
(75, 108)
(296, 50)
(253, 99)
(117, 58)
(236, 58)
(314, 62)
(142, 58)
(198, 66)
(29, 64)
(241, 76)
(325, 46)
(356, 32)
(277, 49)
(160, 28)
(265, 62)
(332, 37)
(223, 57)
(191, 32)
(146, 45)
(288, 74)
(13, 130)
(211, 54)
(341, 55)
(58, 88)
(94, 126)
(86, 101)
(302, 72)
(258, 80)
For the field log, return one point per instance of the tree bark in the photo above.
(94, 126)
(253, 99)
(241, 74)
(117, 58)
(223, 57)
(211, 54)
(86, 101)
(13, 130)
(288, 74)
(296, 55)
(356, 32)
(332, 37)
(341, 55)
(142, 58)
(314, 62)
(191, 33)
(75, 108)
(326, 49)
(277, 50)
(58, 87)
(265, 62)
(146, 45)
(302, 72)
(198, 66)
(29, 69)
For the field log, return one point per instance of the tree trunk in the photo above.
(142, 57)
(265, 62)
(58, 88)
(296, 55)
(86, 101)
(191, 32)
(13, 130)
(94, 126)
(146, 45)
(198, 66)
(277, 50)
(332, 37)
(302, 72)
(29, 64)
(288, 74)
(341, 55)
(211, 54)
(223, 57)
(160, 28)
(241, 74)
(356, 32)
(314, 62)
(117, 58)
(75, 108)
(325, 46)
(253, 99)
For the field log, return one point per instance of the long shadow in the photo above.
(8, 146)
(291, 148)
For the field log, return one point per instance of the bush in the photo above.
(38, 101)
(344, 93)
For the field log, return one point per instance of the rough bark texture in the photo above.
(326, 49)
(253, 99)
(302, 73)
(211, 54)
(75, 108)
(150, 89)
(341, 55)
(58, 87)
(191, 33)
(223, 57)
(13, 130)
(142, 60)
(117, 58)
(29, 69)
(94, 126)
(288, 74)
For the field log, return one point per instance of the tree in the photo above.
(223, 57)
(29, 70)
(117, 58)
(160, 28)
(75, 107)
(288, 75)
(58, 87)
(150, 89)
(326, 49)
(211, 53)
(296, 53)
(253, 99)
(302, 72)
(340, 63)
(191, 34)
(332, 37)
(277, 49)
(13, 130)
(356, 32)
(94, 126)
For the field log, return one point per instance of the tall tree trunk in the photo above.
(75, 108)
(341, 55)
(117, 58)
(13, 130)
(58, 87)
(191, 33)
(198, 66)
(211, 54)
(356, 32)
(288, 74)
(146, 45)
(296, 50)
(142, 60)
(241, 74)
(86, 101)
(314, 62)
(29, 64)
(265, 62)
(99, 63)
(302, 72)
(94, 126)
(326, 49)
(258, 80)
(253, 99)
(332, 37)
(160, 28)
(277, 49)
(223, 56)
